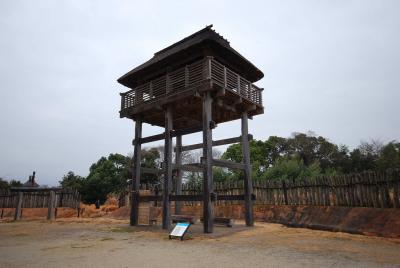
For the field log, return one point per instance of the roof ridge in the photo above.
(192, 43)
(207, 28)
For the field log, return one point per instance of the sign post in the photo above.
(179, 230)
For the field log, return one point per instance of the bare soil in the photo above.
(104, 242)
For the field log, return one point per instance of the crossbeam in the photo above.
(216, 143)
(190, 167)
(227, 164)
(161, 136)
(30, 189)
(191, 197)
(155, 171)
(194, 167)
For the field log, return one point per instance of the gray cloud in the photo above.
(331, 67)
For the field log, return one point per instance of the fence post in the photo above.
(386, 188)
(396, 184)
(17, 215)
(285, 192)
(50, 212)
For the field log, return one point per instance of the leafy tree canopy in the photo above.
(299, 156)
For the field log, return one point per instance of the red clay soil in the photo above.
(358, 220)
(39, 213)
(368, 221)
(87, 211)
(121, 213)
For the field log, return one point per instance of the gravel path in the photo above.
(112, 243)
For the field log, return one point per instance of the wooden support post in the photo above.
(18, 208)
(127, 201)
(285, 195)
(208, 214)
(167, 169)
(136, 175)
(248, 185)
(178, 183)
(50, 211)
(207, 67)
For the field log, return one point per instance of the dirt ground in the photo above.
(112, 243)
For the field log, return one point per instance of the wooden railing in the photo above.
(234, 82)
(191, 75)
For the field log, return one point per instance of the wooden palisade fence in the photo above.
(39, 198)
(367, 189)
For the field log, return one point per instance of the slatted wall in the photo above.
(40, 199)
(367, 189)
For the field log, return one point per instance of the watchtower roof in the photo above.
(192, 44)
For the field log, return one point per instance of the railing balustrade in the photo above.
(190, 75)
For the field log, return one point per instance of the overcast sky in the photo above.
(330, 66)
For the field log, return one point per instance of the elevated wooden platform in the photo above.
(182, 90)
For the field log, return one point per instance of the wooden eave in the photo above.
(205, 42)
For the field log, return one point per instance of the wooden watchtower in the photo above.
(188, 87)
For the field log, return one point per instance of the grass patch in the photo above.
(122, 230)
(50, 248)
(81, 246)
(106, 238)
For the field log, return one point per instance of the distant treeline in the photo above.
(303, 155)
(307, 155)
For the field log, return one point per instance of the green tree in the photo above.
(4, 184)
(261, 155)
(194, 178)
(222, 175)
(311, 148)
(366, 156)
(151, 158)
(292, 169)
(389, 157)
(15, 183)
(70, 180)
(107, 175)
(307, 153)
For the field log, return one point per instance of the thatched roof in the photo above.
(193, 44)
